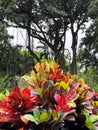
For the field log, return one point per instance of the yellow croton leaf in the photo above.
(42, 67)
(72, 104)
(30, 78)
(74, 76)
(95, 103)
(62, 84)
(83, 93)
(81, 81)
(32, 73)
(54, 114)
(26, 77)
(37, 66)
(47, 67)
(68, 74)
(43, 116)
(54, 65)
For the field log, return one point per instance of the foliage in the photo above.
(5, 82)
(48, 21)
(93, 9)
(15, 61)
(88, 51)
(4, 36)
(90, 75)
(52, 100)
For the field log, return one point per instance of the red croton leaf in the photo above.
(6, 111)
(17, 103)
(57, 75)
(62, 102)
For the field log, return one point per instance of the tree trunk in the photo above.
(61, 61)
(73, 68)
(29, 41)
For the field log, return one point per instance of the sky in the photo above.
(20, 37)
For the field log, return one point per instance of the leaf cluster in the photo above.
(51, 100)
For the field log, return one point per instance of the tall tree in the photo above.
(88, 52)
(88, 55)
(77, 14)
(43, 21)
(48, 21)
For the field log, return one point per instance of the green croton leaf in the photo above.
(7, 92)
(36, 114)
(88, 121)
(29, 117)
(2, 96)
(93, 118)
(34, 117)
(62, 84)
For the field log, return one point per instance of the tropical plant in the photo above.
(52, 101)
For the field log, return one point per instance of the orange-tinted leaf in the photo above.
(24, 120)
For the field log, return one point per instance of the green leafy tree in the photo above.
(77, 15)
(48, 22)
(88, 53)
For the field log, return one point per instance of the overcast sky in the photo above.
(20, 37)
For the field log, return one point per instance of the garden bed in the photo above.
(53, 101)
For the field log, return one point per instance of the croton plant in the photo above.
(53, 101)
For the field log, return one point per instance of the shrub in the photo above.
(5, 82)
(52, 101)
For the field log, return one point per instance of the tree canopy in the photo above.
(88, 54)
(48, 21)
